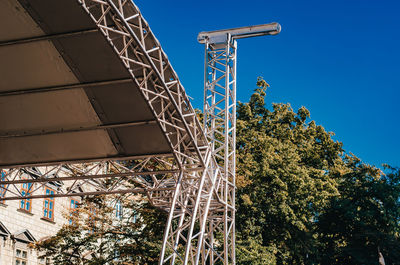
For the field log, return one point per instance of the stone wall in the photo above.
(17, 220)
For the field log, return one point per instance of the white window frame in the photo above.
(19, 259)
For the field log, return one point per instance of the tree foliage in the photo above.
(98, 234)
(364, 219)
(287, 169)
(301, 200)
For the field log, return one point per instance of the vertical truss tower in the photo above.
(220, 128)
(220, 116)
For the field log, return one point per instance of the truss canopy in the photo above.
(84, 83)
(65, 95)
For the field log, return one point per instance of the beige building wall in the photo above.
(22, 224)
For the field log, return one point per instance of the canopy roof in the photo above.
(65, 95)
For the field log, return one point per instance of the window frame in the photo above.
(118, 210)
(72, 202)
(43, 261)
(25, 191)
(3, 187)
(20, 259)
(93, 209)
(47, 209)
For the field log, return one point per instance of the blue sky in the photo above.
(340, 59)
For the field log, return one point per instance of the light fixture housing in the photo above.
(221, 36)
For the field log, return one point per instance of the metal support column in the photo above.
(220, 126)
(220, 129)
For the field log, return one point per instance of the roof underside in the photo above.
(66, 124)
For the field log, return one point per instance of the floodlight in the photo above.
(220, 36)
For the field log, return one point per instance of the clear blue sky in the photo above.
(340, 59)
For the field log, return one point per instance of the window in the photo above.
(26, 204)
(92, 218)
(3, 187)
(44, 261)
(48, 206)
(72, 206)
(21, 257)
(118, 210)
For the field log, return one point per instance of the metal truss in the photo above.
(220, 117)
(80, 179)
(220, 127)
(130, 36)
(189, 183)
(196, 192)
(188, 195)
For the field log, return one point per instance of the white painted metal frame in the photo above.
(220, 129)
(220, 120)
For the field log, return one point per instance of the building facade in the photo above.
(23, 222)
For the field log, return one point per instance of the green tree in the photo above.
(364, 219)
(97, 234)
(301, 200)
(287, 171)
